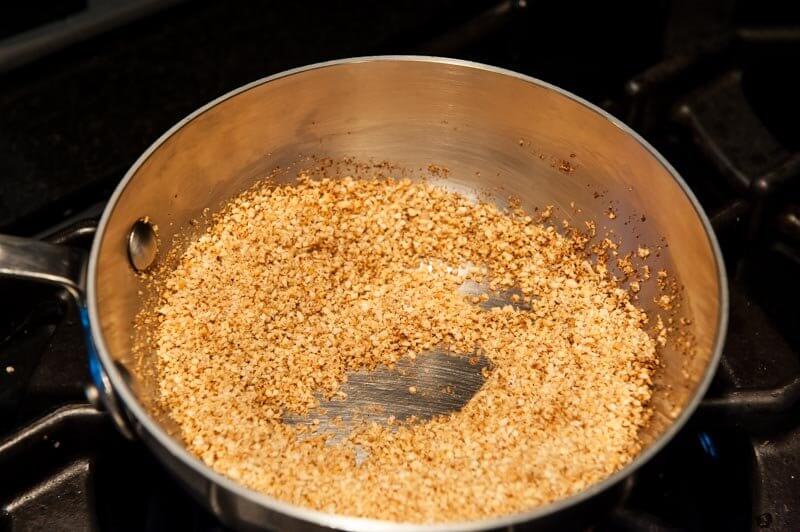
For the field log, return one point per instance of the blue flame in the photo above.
(708, 445)
(94, 361)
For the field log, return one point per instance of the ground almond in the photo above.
(293, 287)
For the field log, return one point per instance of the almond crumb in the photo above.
(294, 287)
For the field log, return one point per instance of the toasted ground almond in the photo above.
(293, 287)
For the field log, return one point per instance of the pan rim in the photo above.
(337, 521)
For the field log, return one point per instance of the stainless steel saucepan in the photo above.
(495, 131)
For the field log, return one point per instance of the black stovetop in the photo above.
(708, 83)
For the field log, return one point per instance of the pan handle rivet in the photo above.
(142, 244)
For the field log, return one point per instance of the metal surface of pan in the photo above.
(498, 133)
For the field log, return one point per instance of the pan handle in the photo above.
(65, 266)
(24, 258)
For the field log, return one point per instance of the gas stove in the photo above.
(707, 83)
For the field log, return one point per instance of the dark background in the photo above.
(73, 121)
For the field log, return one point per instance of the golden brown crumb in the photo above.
(665, 302)
(565, 166)
(626, 265)
(412, 390)
(294, 287)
